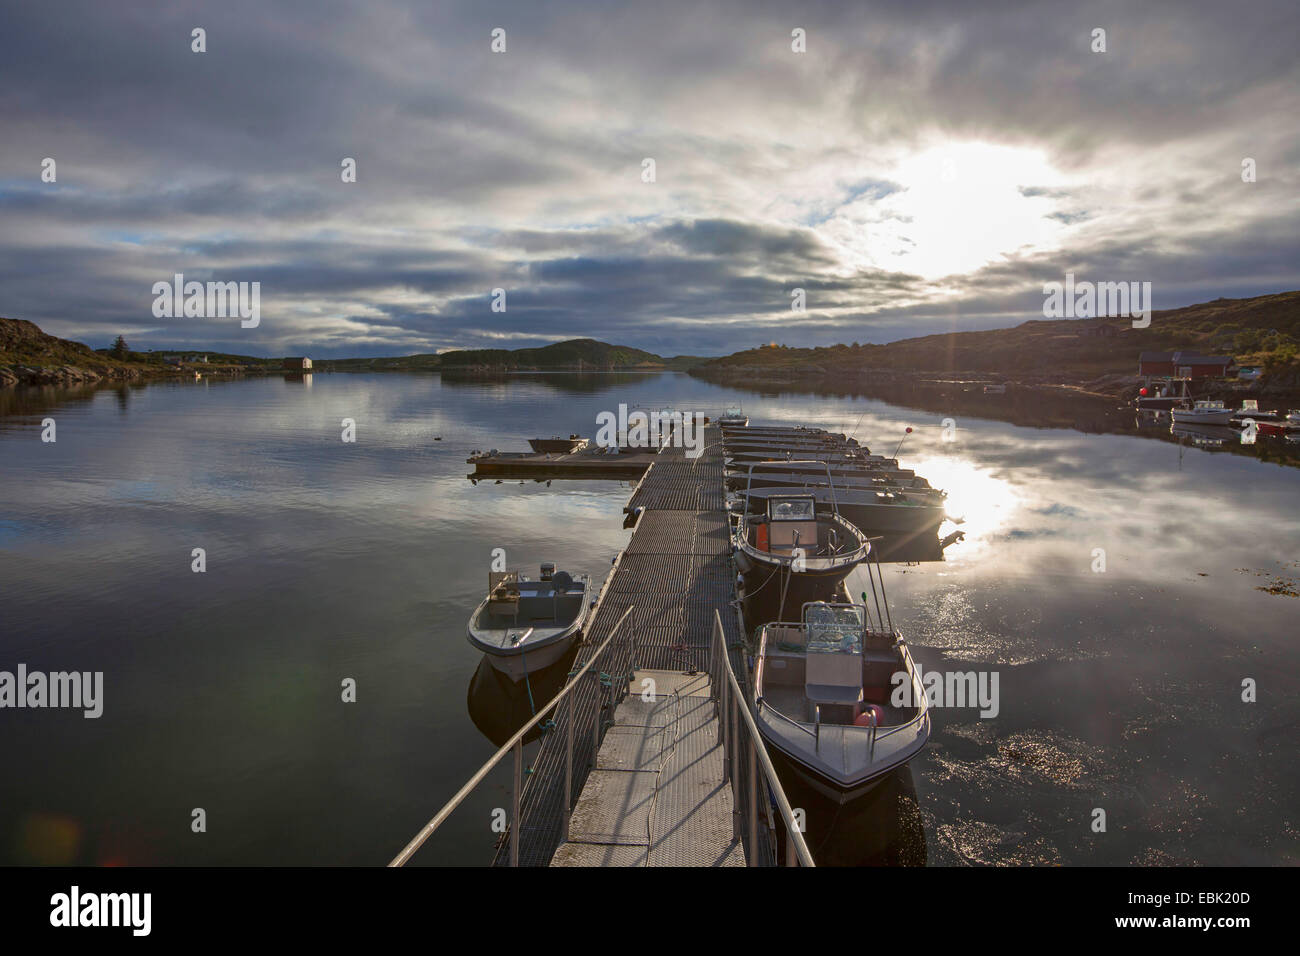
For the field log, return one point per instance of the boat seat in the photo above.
(833, 678)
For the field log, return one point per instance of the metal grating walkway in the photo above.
(675, 572)
(657, 796)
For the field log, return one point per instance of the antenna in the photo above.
(907, 431)
(885, 597)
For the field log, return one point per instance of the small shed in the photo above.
(297, 364)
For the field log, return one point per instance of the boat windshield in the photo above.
(834, 630)
(792, 509)
(733, 411)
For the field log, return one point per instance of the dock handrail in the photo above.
(515, 744)
(739, 731)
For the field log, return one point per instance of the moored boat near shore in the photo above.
(1204, 412)
(523, 626)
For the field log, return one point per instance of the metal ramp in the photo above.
(658, 795)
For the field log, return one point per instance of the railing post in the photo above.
(568, 767)
(733, 717)
(595, 723)
(514, 813)
(753, 803)
(723, 715)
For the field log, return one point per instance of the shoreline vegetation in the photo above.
(1085, 358)
(1095, 357)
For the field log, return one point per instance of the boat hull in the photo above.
(557, 446)
(1185, 416)
(869, 516)
(794, 773)
(739, 481)
(1274, 428)
(517, 666)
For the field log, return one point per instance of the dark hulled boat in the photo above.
(791, 554)
(558, 446)
(873, 511)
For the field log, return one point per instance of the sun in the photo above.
(961, 205)
(978, 498)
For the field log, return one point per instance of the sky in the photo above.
(917, 168)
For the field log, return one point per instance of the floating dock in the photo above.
(656, 790)
(589, 462)
(658, 795)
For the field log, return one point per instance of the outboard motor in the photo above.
(548, 570)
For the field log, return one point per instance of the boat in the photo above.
(824, 700)
(1204, 412)
(796, 471)
(855, 481)
(1250, 411)
(744, 440)
(755, 432)
(835, 456)
(561, 446)
(872, 511)
(523, 626)
(783, 446)
(733, 417)
(791, 554)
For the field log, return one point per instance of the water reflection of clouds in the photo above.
(325, 557)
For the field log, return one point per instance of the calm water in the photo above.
(1120, 690)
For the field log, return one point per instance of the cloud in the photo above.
(920, 168)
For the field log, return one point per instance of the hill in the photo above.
(571, 354)
(1096, 354)
(29, 356)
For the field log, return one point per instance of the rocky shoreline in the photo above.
(69, 376)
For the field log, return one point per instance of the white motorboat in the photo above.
(523, 626)
(733, 417)
(825, 703)
(1204, 412)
